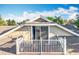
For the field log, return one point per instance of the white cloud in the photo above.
(65, 13)
(73, 8)
(62, 10)
(73, 16)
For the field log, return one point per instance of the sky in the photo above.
(21, 12)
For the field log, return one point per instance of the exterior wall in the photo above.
(72, 40)
(72, 44)
(54, 30)
(25, 32)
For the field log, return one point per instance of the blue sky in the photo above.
(24, 11)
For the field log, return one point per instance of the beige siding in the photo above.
(54, 30)
(25, 32)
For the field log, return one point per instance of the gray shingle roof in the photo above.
(4, 29)
(72, 28)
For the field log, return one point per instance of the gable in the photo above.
(40, 20)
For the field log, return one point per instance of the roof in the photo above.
(10, 30)
(41, 24)
(71, 27)
(4, 29)
(68, 30)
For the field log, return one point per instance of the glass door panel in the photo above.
(36, 32)
(44, 32)
(40, 32)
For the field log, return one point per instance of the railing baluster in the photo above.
(40, 46)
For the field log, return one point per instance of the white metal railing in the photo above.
(61, 40)
(19, 41)
(39, 46)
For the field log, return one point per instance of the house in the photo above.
(41, 36)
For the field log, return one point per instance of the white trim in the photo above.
(31, 35)
(40, 24)
(41, 41)
(38, 18)
(17, 47)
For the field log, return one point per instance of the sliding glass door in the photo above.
(40, 32)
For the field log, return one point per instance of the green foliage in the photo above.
(11, 22)
(23, 22)
(60, 21)
(50, 18)
(7, 22)
(77, 21)
(56, 19)
(2, 22)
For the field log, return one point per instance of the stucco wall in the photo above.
(54, 30)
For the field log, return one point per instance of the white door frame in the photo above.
(40, 33)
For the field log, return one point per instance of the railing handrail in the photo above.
(44, 40)
(21, 40)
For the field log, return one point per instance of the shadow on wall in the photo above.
(73, 44)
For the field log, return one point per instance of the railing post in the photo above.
(17, 47)
(31, 35)
(64, 45)
(48, 35)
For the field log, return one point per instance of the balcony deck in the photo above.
(40, 47)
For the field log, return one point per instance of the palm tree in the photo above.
(56, 19)
(50, 18)
(77, 21)
(59, 20)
